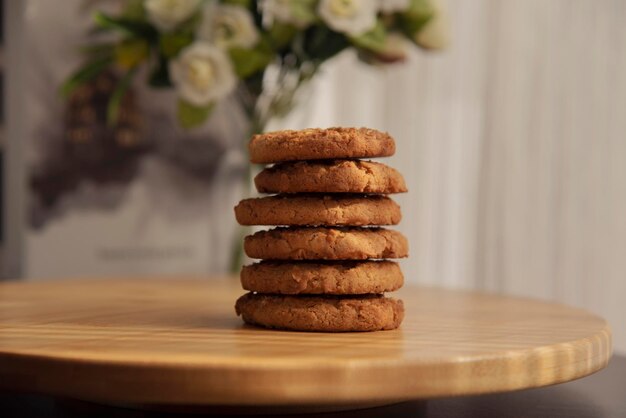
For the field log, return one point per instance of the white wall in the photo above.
(513, 143)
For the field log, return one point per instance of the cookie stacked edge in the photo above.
(324, 264)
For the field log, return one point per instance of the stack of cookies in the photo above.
(323, 265)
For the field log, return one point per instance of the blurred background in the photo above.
(512, 140)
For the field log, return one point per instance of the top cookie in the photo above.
(330, 176)
(319, 144)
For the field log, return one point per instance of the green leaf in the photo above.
(303, 10)
(131, 52)
(134, 10)
(280, 34)
(191, 116)
(419, 9)
(250, 61)
(160, 75)
(170, 44)
(84, 74)
(416, 16)
(374, 40)
(321, 43)
(128, 27)
(113, 107)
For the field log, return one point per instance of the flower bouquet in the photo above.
(259, 51)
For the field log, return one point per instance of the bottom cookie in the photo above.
(321, 314)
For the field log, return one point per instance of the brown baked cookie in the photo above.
(331, 278)
(323, 314)
(330, 176)
(326, 244)
(318, 144)
(318, 210)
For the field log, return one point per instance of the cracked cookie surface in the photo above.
(323, 314)
(330, 176)
(315, 210)
(316, 144)
(318, 277)
(326, 244)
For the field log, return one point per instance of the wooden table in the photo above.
(599, 395)
(176, 343)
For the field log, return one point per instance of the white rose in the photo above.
(353, 17)
(167, 14)
(436, 33)
(393, 6)
(202, 74)
(283, 11)
(228, 26)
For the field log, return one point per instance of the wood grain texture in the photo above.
(178, 342)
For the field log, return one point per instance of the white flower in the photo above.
(284, 11)
(202, 74)
(393, 6)
(228, 26)
(436, 33)
(167, 14)
(353, 17)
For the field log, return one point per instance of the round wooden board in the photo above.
(158, 341)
